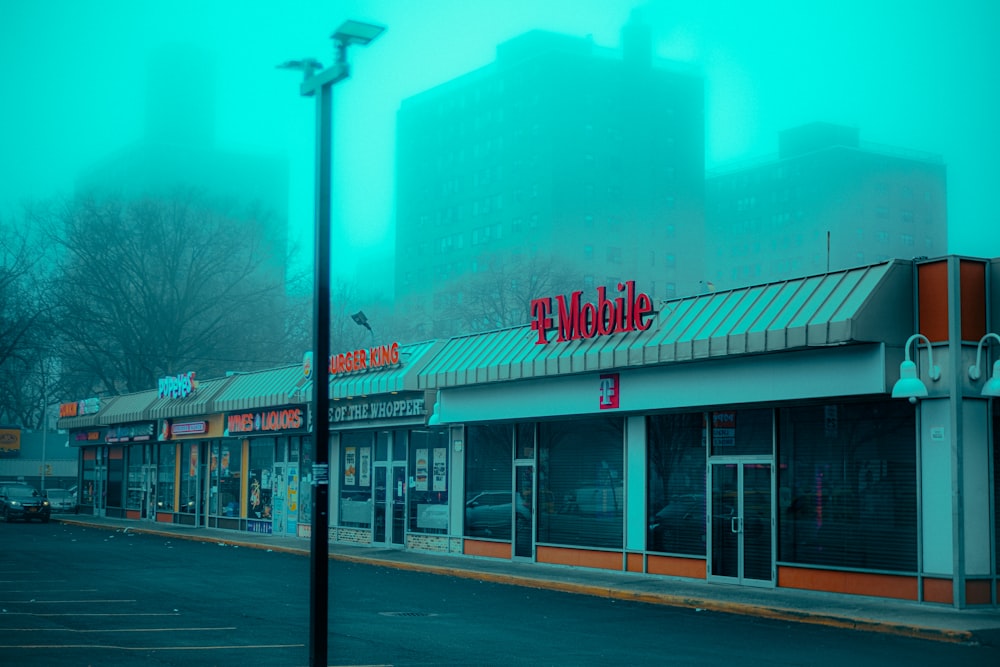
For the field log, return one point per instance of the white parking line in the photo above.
(121, 630)
(150, 648)
(64, 601)
(31, 613)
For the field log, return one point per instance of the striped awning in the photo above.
(269, 388)
(199, 402)
(130, 408)
(864, 304)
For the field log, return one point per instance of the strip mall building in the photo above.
(748, 437)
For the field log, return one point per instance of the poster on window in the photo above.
(421, 473)
(350, 468)
(364, 466)
(193, 461)
(724, 429)
(440, 469)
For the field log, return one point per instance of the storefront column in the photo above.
(635, 480)
(456, 520)
(954, 426)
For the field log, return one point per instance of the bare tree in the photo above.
(153, 287)
(24, 323)
(501, 296)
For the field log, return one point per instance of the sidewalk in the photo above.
(897, 617)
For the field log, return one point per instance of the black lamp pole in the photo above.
(319, 83)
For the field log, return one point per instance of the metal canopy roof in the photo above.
(855, 305)
(269, 388)
(130, 408)
(199, 402)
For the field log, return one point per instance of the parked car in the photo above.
(21, 501)
(62, 501)
(490, 513)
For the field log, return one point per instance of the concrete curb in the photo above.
(698, 604)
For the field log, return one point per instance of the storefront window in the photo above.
(189, 478)
(428, 498)
(261, 476)
(580, 482)
(489, 496)
(742, 432)
(676, 483)
(356, 484)
(166, 465)
(89, 477)
(847, 485)
(136, 484)
(225, 471)
(116, 476)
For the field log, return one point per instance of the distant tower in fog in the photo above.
(559, 149)
(179, 150)
(180, 97)
(769, 219)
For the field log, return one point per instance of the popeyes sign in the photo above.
(626, 312)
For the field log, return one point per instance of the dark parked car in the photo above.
(20, 501)
(62, 501)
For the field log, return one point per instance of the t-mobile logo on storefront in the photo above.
(609, 391)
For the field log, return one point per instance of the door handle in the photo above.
(736, 524)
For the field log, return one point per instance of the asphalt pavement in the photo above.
(871, 614)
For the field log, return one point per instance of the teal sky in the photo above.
(916, 74)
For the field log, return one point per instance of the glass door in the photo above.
(380, 504)
(398, 533)
(524, 511)
(741, 542)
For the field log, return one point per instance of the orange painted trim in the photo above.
(604, 560)
(854, 583)
(164, 517)
(978, 592)
(633, 562)
(693, 568)
(938, 590)
(133, 514)
(488, 549)
(932, 300)
(973, 299)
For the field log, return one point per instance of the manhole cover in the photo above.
(405, 613)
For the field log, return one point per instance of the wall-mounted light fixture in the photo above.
(992, 386)
(908, 385)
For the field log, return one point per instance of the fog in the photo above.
(911, 74)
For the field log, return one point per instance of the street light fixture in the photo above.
(992, 386)
(319, 82)
(909, 385)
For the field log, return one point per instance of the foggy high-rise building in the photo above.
(827, 200)
(559, 155)
(178, 151)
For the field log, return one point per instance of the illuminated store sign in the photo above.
(178, 386)
(609, 391)
(131, 432)
(288, 419)
(377, 409)
(608, 316)
(361, 359)
(87, 406)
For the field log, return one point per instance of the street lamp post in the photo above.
(319, 82)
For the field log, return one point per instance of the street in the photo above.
(71, 595)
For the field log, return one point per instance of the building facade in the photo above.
(826, 201)
(758, 436)
(559, 158)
